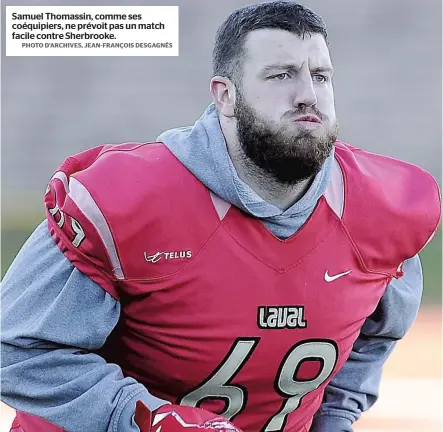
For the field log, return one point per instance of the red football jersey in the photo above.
(217, 312)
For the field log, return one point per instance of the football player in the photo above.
(250, 272)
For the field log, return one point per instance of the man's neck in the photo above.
(262, 183)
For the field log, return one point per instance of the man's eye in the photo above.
(281, 76)
(319, 78)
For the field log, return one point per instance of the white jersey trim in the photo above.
(221, 206)
(84, 201)
(63, 178)
(335, 192)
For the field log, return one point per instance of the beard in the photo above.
(287, 156)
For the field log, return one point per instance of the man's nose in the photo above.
(304, 93)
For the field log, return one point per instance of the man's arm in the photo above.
(355, 387)
(52, 317)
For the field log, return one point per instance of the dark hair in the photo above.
(228, 52)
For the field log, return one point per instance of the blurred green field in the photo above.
(431, 258)
(15, 232)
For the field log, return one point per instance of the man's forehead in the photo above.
(271, 46)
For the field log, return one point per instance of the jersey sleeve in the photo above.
(54, 319)
(77, 223)
(392, 208)
(355, 388)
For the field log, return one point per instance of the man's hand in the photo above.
(176, 418)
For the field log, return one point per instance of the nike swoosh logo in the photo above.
(335, 277)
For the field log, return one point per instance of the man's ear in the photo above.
(223, 93)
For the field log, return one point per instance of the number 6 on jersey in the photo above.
(217, 385)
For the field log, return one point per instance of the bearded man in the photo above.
(250, 272)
